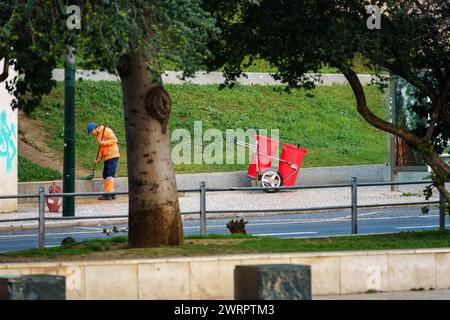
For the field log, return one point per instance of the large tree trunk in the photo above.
(154, 213)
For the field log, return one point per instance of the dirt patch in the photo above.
(34, 145)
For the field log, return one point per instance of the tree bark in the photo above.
(446, 115)
(154, 213)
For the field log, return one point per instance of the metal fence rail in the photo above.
(202, 190)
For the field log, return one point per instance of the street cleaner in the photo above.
(109, 152)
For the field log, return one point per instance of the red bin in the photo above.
(265, 151)
(54, 203)
(293, 158)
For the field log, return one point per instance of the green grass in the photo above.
(244, 244)
(89, 247)
(370, 291)
(327, 123)
(30, 171)
(409, 194)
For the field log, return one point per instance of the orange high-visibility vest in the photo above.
(108, 145)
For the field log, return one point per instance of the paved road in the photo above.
(306, 225)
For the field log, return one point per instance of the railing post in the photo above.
(41, 217)
(202, 208)
(354, 205)
(441, 211)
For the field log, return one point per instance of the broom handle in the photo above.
(99, 147)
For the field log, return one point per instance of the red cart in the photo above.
(260, 168)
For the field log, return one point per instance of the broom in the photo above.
(91, 175)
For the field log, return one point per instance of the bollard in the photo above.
(441, 211)
(202, 208)
(41, 217)
(354, 206)
(272, 282)
(33, 287)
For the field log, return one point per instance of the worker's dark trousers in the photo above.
(110, 167)
(109, 172)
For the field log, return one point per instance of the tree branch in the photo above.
(4, 75)
(430, 155)
(370, 117)
(411, 79)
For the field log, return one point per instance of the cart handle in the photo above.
(244, 144)
(253, 147)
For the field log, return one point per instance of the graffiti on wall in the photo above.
(8, 148)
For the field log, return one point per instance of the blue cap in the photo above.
(91, 126)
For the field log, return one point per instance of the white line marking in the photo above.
(404, 217)
(70, 233)
(19, 235)
(421, 227)
(276, 223)
(49, 234)
(282, 234)
(89, 228)
(342, 235)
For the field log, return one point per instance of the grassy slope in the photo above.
(327, 124)
(94, 249)
(30, 171)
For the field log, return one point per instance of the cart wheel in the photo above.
(271, 179)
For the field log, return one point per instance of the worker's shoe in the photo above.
(105, 197)
(109, 187)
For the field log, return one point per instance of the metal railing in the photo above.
(202, 190)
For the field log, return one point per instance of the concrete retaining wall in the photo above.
(211, 277)
(343, 174)
(307, 176)
(184, 181)
(323, 175)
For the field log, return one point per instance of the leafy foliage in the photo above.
(34, 37)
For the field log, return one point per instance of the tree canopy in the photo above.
(34, 37)
(413, 42)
